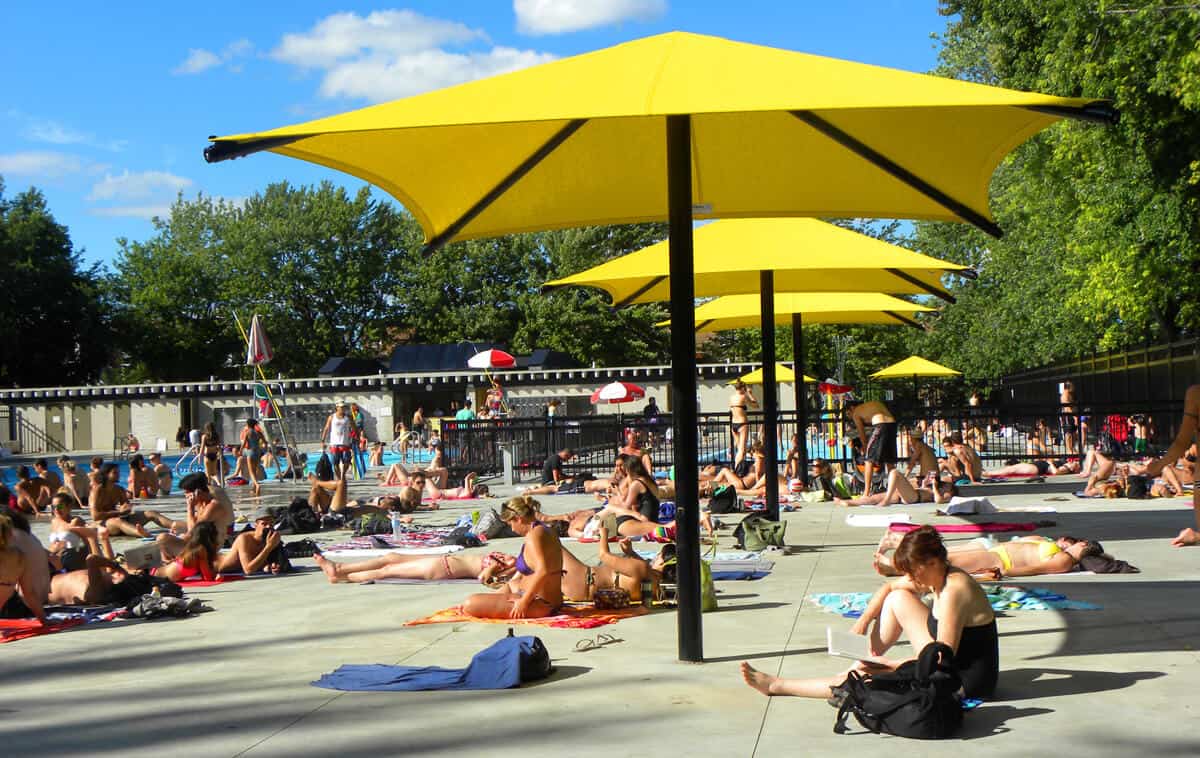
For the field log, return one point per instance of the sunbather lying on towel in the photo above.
(488, 568)
(1039, 467)
(330, 497)
(961, 618)
(628, 571)
(92, 585)
(1031, 555)
(900, 490)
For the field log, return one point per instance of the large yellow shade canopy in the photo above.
(745, 312)
(914, 366)
(782, 374)
(774, 132)
(806, 255)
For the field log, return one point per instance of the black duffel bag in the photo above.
(920, 699)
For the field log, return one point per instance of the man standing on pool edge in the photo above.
(880, 449)
(337, 435)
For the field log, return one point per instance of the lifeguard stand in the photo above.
(269, 406)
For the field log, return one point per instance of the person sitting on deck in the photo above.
(33, 493)
(962, 461)
(900, 490)
(961, 618)
(1183, 443)
(535, 591)
(205, 504)
(109, 507)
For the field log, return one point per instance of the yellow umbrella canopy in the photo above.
(782, 374)
(744, 311)
(580, 140)
(678, 126)
(806, 255)
(914, 366)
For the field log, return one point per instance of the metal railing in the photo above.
(998, 435)
(26, 437)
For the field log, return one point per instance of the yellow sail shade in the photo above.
(783, 374)
(914, 366)
(744, 311)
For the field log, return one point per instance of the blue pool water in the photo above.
(8, 474)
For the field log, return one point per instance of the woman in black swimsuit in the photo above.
(636, 506)
(740, 401)
(214, 461)
(535, 591)
(961, 618)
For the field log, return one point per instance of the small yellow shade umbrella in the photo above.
(805, 254)
(744, 311)
(783, 375)
(914, 366)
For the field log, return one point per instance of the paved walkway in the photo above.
(236, 681)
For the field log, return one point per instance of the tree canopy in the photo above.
(333, 275)
(54, 316)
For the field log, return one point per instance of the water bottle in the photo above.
(395, 525)
(647, 593)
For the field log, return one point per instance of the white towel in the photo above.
(877, 519)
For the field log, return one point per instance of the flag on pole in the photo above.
(258, 349)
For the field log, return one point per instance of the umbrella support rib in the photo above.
(505, 184)
(801, 392)
(899, 172)
(1096, 113)
(904, 320)
(654, 282)
(914, 281)
(224, 151)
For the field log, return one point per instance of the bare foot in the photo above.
(328, 566)
(889, 541)
(757, 679)
(1186, 537)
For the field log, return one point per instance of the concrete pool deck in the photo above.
(236, 681)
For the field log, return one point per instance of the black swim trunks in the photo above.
(881, 447)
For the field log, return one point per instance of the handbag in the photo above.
(758, 533)
(920, 699)
(610, 598)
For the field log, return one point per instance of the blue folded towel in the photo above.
(496, 667)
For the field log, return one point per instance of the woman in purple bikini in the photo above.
(535, 591)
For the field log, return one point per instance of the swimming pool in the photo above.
(8, 473)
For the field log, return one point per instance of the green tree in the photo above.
(54, 317)
(1102, 224)
(318, 265)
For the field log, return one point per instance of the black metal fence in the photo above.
(998, 433)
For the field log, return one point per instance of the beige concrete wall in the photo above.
(153, 420)
(103, 424)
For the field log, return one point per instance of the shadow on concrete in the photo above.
(560, 674)
(1135, 616)
(772, 654)
(1031, 683)
(1124, 525)
(990, 720)
(750, 607)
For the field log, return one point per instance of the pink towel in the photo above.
(981, 527)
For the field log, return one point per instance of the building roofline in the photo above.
(380, 381)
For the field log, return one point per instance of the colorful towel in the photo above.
(983, 527)
(582, 616)
(1003, 597)
(434, 537)
(58, 618)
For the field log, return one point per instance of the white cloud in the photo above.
(36, 129)
(139, 186)
(380, 78)
(395, 53)
(37, 163)
(559, 16)
(199, 59)
(345, 36)
(133, 211)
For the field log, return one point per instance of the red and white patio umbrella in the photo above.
(618, 392)
(491, 359)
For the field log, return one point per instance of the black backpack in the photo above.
(724, 499)
(324, 468)
(297, 518)
(1108, 446)
(1137, 487)
(919, 699)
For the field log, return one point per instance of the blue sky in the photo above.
(107, 106)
